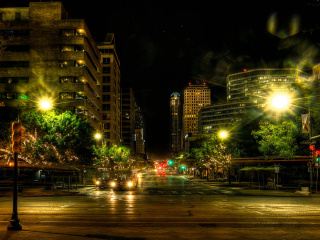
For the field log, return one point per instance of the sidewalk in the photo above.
(245, 189)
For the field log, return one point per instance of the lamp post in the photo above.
(223, 134)
(280, 102)
(18, 137)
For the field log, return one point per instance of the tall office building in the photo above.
(195, 97)
(140, 131)
(128, 118)
(50, 55)
(111, 118)
(175, 123)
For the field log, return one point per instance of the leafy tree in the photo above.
(114, 156)
(57, 137)
(139, 160)
(277, 139)
(214, 152)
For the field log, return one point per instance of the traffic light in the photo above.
(312, 147)
(183, 167)
(18, 137)
(317, 156)
(170, 162)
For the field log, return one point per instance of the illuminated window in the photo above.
(66, 95)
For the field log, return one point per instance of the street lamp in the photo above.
(280, 102)
(223, 134)
(45, 104)
(97, 136)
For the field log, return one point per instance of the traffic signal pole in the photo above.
(18, 136)
(14, 223)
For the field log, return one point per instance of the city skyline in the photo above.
(162, 49)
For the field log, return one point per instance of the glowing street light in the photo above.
(45, 104)
(97, 136)
(280, 102)
(223, 134)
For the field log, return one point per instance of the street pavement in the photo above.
(252, 228)
(242, 188)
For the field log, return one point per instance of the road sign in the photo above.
(305, 123)
(276, 169)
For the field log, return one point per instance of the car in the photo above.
(124, 183)
(103, 183)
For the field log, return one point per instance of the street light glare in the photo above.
(97, 136)
(45, 105)
(223, 134)
(280, 102)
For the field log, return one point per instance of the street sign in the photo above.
(276, 169)
(305, 123)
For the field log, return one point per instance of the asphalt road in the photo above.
(164, 206)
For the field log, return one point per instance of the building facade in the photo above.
(49, 55)
(247, 90)
(256, 85)
(175, 123)
(221, 116)
(195, 97)
(111, 112)
(140, 131)
(128, 118)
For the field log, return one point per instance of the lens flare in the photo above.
(282, 27)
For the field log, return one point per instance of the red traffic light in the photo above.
(312, 147)
(317, 152)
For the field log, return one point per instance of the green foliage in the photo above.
(114, 156)
(213, 152)
(58, 136)
(277, 139)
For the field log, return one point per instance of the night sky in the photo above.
(163, 45)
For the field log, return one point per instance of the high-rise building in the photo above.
(49, 55)
(140, 131)
(175, 123)
(195, 97)
(111, 117)
(128, 118)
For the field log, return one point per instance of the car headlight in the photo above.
(97, 182)
(130, 184)
(113, 184)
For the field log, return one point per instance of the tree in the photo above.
(214, 152)
(57, 137)
(111, 157)
(277, 139)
